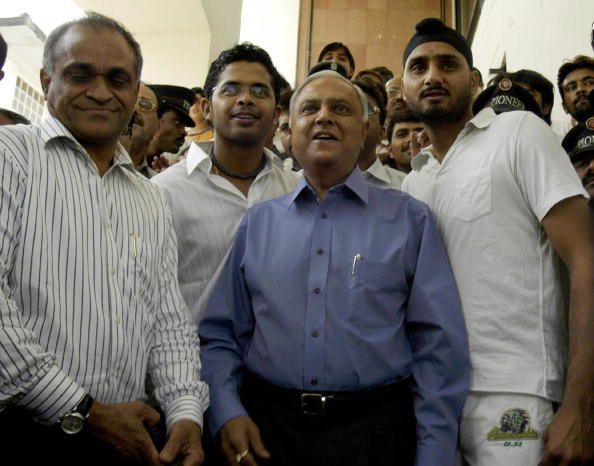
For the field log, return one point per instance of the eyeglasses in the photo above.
(372, 109)
(257, 91)
(146, 105)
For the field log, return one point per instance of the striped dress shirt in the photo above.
(89, 300)
(207, 209)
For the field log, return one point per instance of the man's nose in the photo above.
(99, 89)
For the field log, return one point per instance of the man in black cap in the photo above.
(340, 53)
(579, 144)
(510, 209)
(539, 87)
(3, 52)
(505, 96)
(575, 81)
(174, 116)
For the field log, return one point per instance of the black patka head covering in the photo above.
(434, 30)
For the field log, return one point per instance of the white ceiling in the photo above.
(153, 16)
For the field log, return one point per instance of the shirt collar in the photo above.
(198, 156)
(481, 120)
(377, 170)
(52, 129)
(354, 183)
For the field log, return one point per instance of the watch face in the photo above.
(72, 423)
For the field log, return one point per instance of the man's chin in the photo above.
(583, 113)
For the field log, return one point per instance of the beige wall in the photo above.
(376, 31)
(534, 34)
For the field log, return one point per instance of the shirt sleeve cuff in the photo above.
(185, 407)
(558, 195)
(224, 410)
(54, 395)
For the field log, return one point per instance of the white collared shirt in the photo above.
(207, 210)
(490, 193)
(88, 296)
(382, 176)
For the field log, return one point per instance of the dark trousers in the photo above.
(374, 435)
(24, 442)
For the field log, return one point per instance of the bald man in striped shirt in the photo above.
(89, 300)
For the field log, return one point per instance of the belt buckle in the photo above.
(314, 403)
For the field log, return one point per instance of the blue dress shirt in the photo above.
(348, 293)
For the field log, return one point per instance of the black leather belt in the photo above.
(318, 403)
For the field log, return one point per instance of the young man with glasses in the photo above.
(373, 170)
(218, 180)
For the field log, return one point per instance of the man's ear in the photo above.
(364, 132)
(205, 108)
(45, 80)
(546, 110)
(474, 82)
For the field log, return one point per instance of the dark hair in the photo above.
(91, 19)
(384, 72)
(332, 46)
(378, 94)
(241, 52)
(539, 83)
(404, 116)
(285, 100)
(3, 51)
(361, 75)
(284, 84)
(15, 117)
(578, 62)
(198, 90)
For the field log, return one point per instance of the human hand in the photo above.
(241, 442)
(160, 163)
(122, 429)
(183, 443)
(417, 142)
(569, 439)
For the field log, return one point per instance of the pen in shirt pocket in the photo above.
(134, 250)
(356, 260)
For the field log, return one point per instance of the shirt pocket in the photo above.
(377, 276)
(472, 198)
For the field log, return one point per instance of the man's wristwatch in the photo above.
(74, 421)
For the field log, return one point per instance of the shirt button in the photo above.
(118, 320)
(324, 215)
(113, 271)
(315, 334)
(313, 381)
(317, 291)
(320, 252)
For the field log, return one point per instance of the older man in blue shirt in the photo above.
(335, 335)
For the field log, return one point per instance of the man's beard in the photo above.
(439, 116)
(585, 109)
